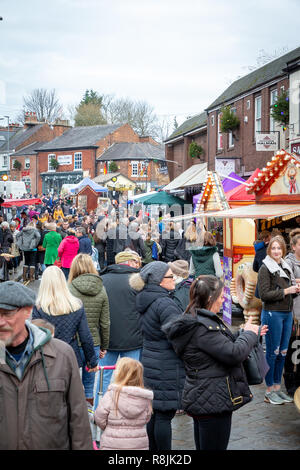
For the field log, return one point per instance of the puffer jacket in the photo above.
(163, 370)
(169, 243)
(66, 329)
(124, 430)
(28, 238)
(215, 378)
(89, 288)
(45, 409)
(67, 250)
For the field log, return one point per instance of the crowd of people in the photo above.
(143, 296)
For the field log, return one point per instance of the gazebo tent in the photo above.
(161, 198)
(88, 182)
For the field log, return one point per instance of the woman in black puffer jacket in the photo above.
(163, 370)
(216, 384)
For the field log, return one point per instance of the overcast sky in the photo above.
(178, 55)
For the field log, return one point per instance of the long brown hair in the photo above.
(129, 372)
(280, 240)
(204, 291)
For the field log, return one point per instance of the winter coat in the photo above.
(66, 329)
(7, 241)
(45, 409)
(110, 241)
(67, 250)
(181, 294)
(215, 378)
(181, 250)
(203, 261)
(169, 245)
(295, 266)
(124, 429)
(163, 370)
(28, 238)
(135, 240)
(260, 254)
(125, 333)
(121, 239)
(62, 232)
(271, 281)
(51, 242)
(90, 290)
(58, 213)
(85, 245)
(14, 247)
(151, 251)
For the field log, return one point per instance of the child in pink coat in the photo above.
(125, 409)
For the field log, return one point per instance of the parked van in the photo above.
(16, 188)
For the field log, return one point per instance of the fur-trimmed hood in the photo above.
(136, 282)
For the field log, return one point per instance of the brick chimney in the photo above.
(60, 126)
(30, 119)
(148, 138)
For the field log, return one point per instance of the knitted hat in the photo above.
(152, 273)
(127, 255)
(180, 268)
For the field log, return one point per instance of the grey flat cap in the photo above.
(14, 295)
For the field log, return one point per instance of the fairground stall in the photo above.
(276, 193)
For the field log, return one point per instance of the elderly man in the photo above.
(125, 335)
(42, 400)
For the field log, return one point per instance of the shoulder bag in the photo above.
(256, 366)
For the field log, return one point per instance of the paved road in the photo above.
(256, 426)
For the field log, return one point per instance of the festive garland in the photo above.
(280, 109)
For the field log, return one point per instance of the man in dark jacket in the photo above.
(261, 249)
(54, 409)
(125, 335)
(85, 244)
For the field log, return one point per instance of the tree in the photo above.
(89, 110)
(229, 120)
(280, 109)
(44, 103)
(195, 150)
(113, 167)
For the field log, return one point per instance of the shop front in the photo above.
(52, 181)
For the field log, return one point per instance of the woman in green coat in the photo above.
(51, 242)
(86, 284)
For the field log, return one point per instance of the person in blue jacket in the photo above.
(85, 244)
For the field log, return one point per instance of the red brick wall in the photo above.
(17, 175)
(44, 134)
(245, 146)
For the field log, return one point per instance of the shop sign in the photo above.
(295, 148)
(25, 173)
(64, 159)
(267, 142)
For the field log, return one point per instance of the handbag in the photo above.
(57, 262)
(256, 366)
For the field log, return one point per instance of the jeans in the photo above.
(88, 378)
(66, 272)
(110, 359)
(277, 340)
(159, 430)
(212, 433)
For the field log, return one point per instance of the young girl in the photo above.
(125, 409)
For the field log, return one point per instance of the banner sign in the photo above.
(64, 159)
(295, 148)
(227, 304)
(267, 142)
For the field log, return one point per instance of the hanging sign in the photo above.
(64, 159)
(267, 142)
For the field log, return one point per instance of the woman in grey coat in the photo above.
(27, 240)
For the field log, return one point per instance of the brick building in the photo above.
(142, 162)
(22, 148)
(250, 97)
(177, 144)
(77, 151)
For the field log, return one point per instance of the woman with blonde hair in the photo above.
(125, 409)
(86, 285)
(58, 306)
(205, 260)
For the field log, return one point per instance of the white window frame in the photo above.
(220, 136)
(257, 115)
(135, 169)
(273, 98)
(230, 136)
(77, 159)
(50, 156)
(5, 161)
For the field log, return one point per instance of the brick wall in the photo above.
(19, 175)
(245, 146)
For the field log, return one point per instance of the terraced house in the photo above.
(242, 149)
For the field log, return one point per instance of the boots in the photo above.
(25, 272)
(32, 273)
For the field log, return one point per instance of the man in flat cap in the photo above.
(42, 403)
(125, 335)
